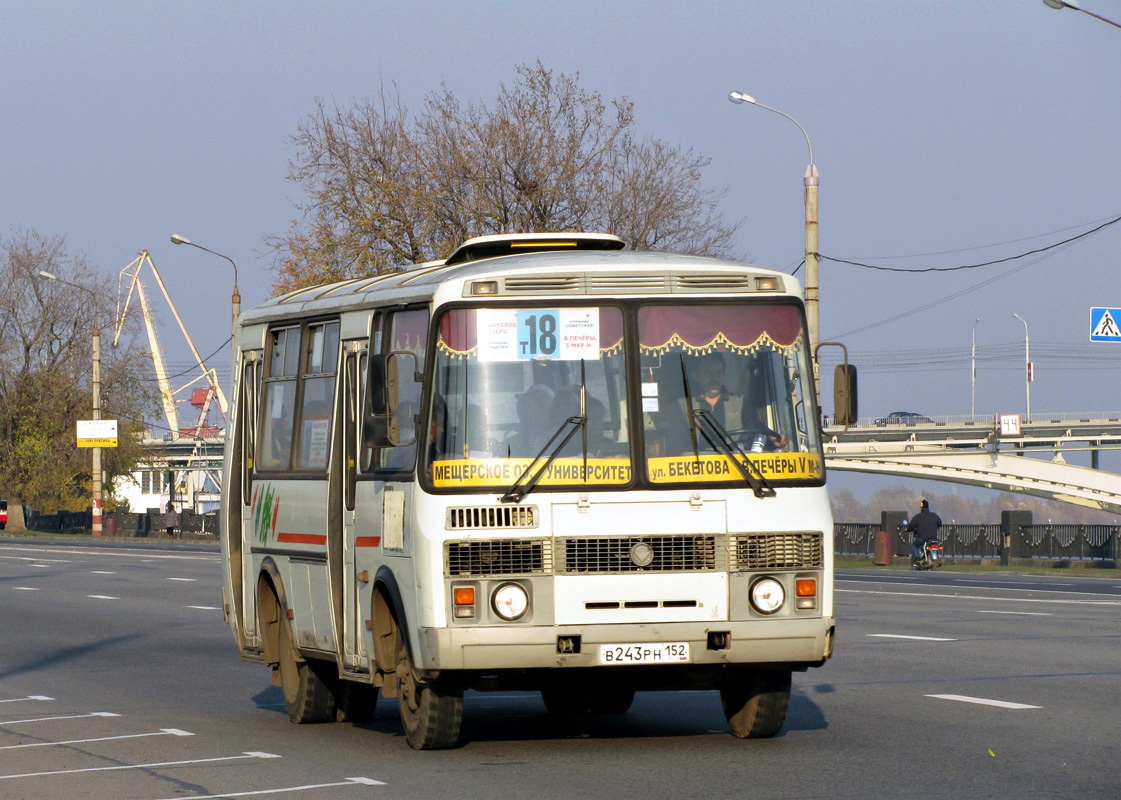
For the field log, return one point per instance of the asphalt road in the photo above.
(119, 680)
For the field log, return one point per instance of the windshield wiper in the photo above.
(517, 491)
(579, 422)
(719, 439)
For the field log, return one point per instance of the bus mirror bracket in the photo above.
(381, 430)
(844, 388)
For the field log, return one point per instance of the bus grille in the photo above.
(498, 557)
(641, 554)
(773, 551)
(490, 517)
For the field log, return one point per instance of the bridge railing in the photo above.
(965, 542)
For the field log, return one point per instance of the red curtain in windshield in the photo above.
(739, 328)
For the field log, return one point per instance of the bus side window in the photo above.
(278, 413)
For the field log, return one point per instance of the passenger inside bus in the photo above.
(533, 407)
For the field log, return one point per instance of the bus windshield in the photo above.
(508, 379)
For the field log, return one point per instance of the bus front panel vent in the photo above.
(479, 518)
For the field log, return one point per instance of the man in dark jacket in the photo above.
(924, 527)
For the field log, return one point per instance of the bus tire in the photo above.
(755, 701)
(355, 702)
(307, 697)
(610, 700)
(431, 712)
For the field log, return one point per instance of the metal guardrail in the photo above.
(974, 542)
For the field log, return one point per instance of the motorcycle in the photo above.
(931, 555)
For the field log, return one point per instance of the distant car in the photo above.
(902, 418)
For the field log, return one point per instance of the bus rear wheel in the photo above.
(755, 701)
(307, 697)
(610, 700)
(431, 712)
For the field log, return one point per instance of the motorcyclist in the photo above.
(923, 527)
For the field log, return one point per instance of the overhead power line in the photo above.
(1082, 235)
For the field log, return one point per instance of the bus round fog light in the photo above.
(767, 595)
(510, 601)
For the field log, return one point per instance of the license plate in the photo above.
(650, 653)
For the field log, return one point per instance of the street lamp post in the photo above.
(96, 381)
(235, 299)
(1059, 5)
(809, 181)
(1027, 362)
(973, 385)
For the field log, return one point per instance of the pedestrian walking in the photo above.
(170, 520)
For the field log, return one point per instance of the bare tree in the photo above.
(384, 189)
(46, 332)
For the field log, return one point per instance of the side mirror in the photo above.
(844, 394)
(381, 431)
(381, 400)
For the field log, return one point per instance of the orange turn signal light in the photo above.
(806, 587)
(464, 595)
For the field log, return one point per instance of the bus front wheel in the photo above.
(431, 712)
(306, 696)
(755, 701)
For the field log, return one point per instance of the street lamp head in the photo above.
(1059, 5)
(740, 97)
(49, 276)
(177, 239)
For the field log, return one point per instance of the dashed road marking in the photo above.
(347, 782)
(183, 579)
(914, 638)
(981, 701)
(103, 572)
(1018, 613)
(29, 697)
(68, 716)
(102, 597)
(1053, 601)
(205, 608)
(26, 588)
(161, 732)
(140, 766)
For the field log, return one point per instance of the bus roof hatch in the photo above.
(505, 244)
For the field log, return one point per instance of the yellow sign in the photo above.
(504, 471)
(714, 468)
(97, 443)
(97, 433)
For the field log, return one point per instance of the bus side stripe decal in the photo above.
(367, 541)
(302, 538)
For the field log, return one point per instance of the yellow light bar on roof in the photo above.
(541, 245)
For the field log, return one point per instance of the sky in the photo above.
(945, 133)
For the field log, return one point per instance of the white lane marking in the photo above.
(183, 579)
(27, 588)
(29, 697)
(204, 608)
(140, 766)
(40, 566)
(990, 599)
(1007, 583)
(123, 552)
(161, 732)
(29, 558)
(69, 716)
(1020, 589)
(914, 638)
(102, 597)
(102, 572)
(347, 782)
(1017, 613)
(981, 701)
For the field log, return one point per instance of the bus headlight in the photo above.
(510, 601)
(767, 596)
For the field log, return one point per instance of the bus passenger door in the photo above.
(239, 499)
(355, 593)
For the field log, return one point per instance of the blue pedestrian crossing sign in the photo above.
(1105, 324)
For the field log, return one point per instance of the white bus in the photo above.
(545, 463)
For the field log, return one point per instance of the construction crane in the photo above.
(131, 274)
